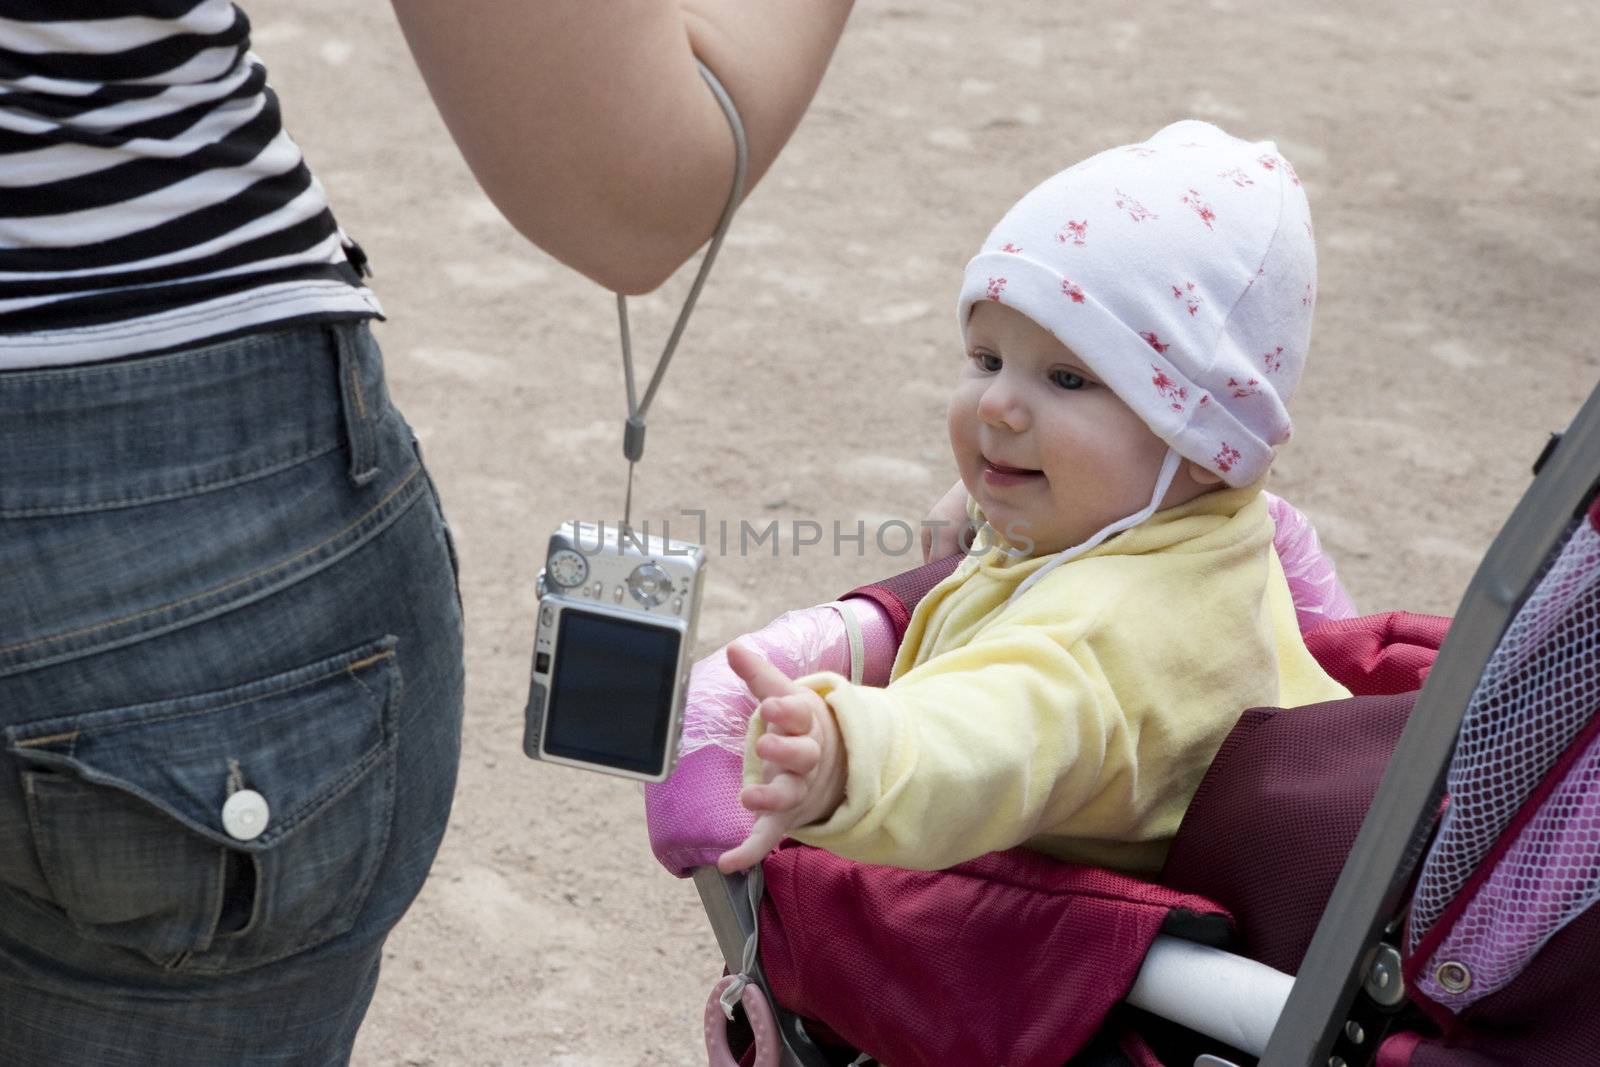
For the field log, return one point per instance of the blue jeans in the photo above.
(230, 701)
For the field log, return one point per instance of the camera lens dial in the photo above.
(567, 568)
(650, 584)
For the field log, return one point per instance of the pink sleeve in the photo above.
(878, 640)
(695, 815)
(1318, 596)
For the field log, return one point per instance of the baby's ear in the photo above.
(1202, 475)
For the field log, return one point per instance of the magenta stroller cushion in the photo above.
(1012, 958)
(1378, 655)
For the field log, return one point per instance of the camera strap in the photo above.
(633, 431)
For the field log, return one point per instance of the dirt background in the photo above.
(1452, 157)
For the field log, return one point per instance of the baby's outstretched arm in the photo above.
(802, 757)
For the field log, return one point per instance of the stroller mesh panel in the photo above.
(1548, 877)
(1538, 692)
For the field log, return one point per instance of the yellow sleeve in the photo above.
(973, 751)
(1301, 679)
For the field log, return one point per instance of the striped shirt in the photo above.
(149, 197)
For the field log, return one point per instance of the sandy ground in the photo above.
(1452, 156)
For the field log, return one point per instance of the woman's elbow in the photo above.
(636, 268)
(620, 247)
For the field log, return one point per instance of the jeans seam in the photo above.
(162, 365)
(360, 665)
(253, 575)
(209, 710)
(444, 530)
(39, 742)
(355, 386)
(273, 467)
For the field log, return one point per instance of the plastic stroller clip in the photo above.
(756, 1011)
(742, 990)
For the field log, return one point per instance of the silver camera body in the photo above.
(617, 614)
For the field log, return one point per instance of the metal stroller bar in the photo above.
(1219, 994)
(727, 905)
(1345, 951)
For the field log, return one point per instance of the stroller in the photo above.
(1403, 878)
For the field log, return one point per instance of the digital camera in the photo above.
(617, 612)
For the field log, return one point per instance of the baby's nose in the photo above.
(1001, 406)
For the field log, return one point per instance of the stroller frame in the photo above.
(726, 899)
(1347, 949)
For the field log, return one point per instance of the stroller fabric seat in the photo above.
(1017, 959)
(1007, 959)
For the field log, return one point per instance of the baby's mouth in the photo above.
(1000, 474)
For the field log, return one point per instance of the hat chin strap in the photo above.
(1169, 470)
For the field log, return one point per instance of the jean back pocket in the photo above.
(224, 830)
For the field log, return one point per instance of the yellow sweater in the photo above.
(1080, 719)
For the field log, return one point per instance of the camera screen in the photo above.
(611, 692)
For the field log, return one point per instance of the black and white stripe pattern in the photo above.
(149, 197)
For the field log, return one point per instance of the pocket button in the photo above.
(245, 814)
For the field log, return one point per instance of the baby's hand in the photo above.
(802, 759)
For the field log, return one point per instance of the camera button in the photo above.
(547, 615)
(650, 584)
(677, 605)
(533, 721)
(616, 594)
(541, 663)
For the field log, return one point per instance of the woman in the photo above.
(230, 648)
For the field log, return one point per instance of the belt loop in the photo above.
(360, 434)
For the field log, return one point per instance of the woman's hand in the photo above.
(802, 758)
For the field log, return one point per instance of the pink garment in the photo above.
(1318, 596)
(695, 815)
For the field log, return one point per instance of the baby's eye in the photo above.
(986, 361)
(1068, 380)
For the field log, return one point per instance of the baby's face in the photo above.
(1049, 453)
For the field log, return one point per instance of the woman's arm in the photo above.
(589, 126)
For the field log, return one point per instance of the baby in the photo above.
(1133, 328)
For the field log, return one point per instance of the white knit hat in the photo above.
(1182, 271)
